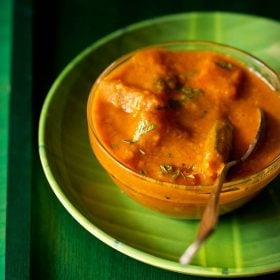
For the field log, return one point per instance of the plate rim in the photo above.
(126, 249)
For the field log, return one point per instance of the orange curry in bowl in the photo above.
(155, 113)
(164, 120)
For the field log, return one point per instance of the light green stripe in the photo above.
(5, 57)
(236, 242)
(218, 27)
(202, 256)
(192, 30)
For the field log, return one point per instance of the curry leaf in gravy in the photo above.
(167, 83)
(143, 127)
(142, 171)
(224, 64)
(188, 167)
(191, 93)
(128, 141)
(186, 172)
(187, 93)
(176, 173)
(168, 169)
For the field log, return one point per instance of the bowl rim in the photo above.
(228, 186)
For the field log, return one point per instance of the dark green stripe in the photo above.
(20, 146)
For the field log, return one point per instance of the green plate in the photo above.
(247, 242)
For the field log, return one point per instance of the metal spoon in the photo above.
(211, 213)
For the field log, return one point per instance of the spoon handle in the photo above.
(209, 218)
(211, 213)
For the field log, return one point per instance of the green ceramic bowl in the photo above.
(247, 242)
